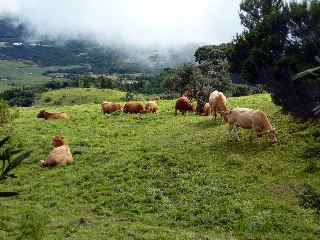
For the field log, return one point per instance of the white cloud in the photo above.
(136, 22)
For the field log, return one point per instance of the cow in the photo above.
(60, 155)
(206, 109)
(217, 102)
(184, 105)
(52, 115)
(133, 107)
(151, 107)
(250, 119)
(110, 107)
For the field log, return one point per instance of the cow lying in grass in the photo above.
(110, 107)
(60, 155)
(151, 107)
(133, 107)
(217, 102)
(250, 119)
(52, 115)
(184, 105)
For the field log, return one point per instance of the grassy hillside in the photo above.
(77, 96)
(164, 177)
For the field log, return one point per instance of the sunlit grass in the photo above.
(160, 176)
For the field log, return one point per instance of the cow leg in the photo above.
(210, 112)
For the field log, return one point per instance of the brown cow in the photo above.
(151, 107)
(184, 105)
(110, 107)
(52, 115)
(217, 102)
(250, 119)
(206, 110)
(133, 107)
(60, 155)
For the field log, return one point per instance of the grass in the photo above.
(77, 96)
(20, 73)
(162, 177)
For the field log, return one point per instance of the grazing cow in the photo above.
(52, 115)
(151, 107)
(206, 109)
(250, 119)
(60, 155)
(133, 107)
(184, 105)
(217, 102)
(110, 107)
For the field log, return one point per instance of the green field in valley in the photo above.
(23, 73)
(160, 176)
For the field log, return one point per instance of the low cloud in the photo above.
(141, 23)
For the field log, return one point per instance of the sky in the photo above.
(134, 22)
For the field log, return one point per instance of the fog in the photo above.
(141, 23)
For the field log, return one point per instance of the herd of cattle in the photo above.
(236, 118)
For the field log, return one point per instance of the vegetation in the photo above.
(280, 40)
(157, 176)
(11, 158)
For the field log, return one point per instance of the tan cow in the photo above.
(110, 107)
(60, 155)
(206, 110)
(250, 119)
(151, 107)
(217, 102)
(52, 115)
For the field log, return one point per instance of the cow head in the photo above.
(41, 114)
(58, 141)
(225, 114)
(272, 135)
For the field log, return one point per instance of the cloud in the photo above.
(138, 22)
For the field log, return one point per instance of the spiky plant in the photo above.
(11, 158)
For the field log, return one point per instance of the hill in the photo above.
(164, 177)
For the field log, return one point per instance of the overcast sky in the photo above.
(136, 22)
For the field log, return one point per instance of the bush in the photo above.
(129, 96)
(23, 97)
(238, 90)
(6, 115)
(298, 94)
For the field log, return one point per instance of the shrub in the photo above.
(298, 94)
(10, 157)
(6, 115)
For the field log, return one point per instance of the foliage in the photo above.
(309, 198)
(11, 158)
(20, 96)
(280, 40)
(6, 115)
